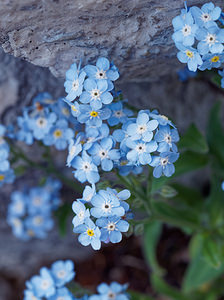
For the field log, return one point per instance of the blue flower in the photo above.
(164, 164)
(74, 148)
(4, 163)
(119, 114)
(106, 204)
(211, 61)
(111, 228)
(41, 125)
(89, 234)
(143, 128)
(81, 213)
(112, 291)
(62, 110)
(140, 153)
(62, 294)
(74, 82)
(43, 285)
(41, 101)
(185, 29)
(211, 40)
(62, 272)
(190, 56)
(222, 186)
(206, 15)
(166, 137)
(38, 225)
(39, 200)
(24, 134)
(96, 93)
(93, 117)
(162, 120)
(74, 107)
(104, 154)
(59, 135)
(7, 177)
(17, 207)
(30, 295)
(86, 170)
(122, 196)
(221, 73)
(102, 70)
(88, 193)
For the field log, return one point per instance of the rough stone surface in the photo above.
(54, 33)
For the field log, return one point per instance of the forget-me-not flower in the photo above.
(164, 164)
(190, 56)
(62, 272)
(207, 15)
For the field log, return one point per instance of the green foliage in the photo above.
(193, 140)
(139, 296)
(62, 215)
(151, 237)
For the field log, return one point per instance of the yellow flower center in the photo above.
(189, 53)
(215, 58)
(73, 108)
(2, 177)
(94, 114)
(58, 133)
(90, 232)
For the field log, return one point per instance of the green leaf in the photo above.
(193, 140)
(139, 296)
(163, 288)
(189, 196)
(20, 170)
(199, 271)
(215, 203)
(62, 215)
(190, 161)
(180, 216)
(151, 237)
(215, 135)
(212, 252)
(138, 229)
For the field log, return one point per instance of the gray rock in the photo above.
(54, 33)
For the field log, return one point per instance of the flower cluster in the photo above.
(6, 173)
(112, 138)
(105, 220)
(48, 121)
(30, 211)
(114, 291)
(50, 284)
(199, 37)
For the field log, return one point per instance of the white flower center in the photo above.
(141, 129)
(101, 74)
(210, 39)
(164, 117)
(103, 154)
(111, 226)
(140, 148)
(60, 298)
(65, 111)
(37, 201)
(95, 94)
(118, 113)
(19, 206)
(75, 85)
(17, 222)
(186, 30)
(106, 207)
(61, 274)
(86, 166)
(167, 139)
(38, 220)
(164, 161)
(72, 150)
(111, 295)
(41, 122)
(45, 284)
(205, 17)
(81, 215)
